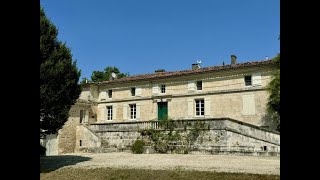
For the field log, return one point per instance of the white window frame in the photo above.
(109, 113)
(133, 111)
(201, 106)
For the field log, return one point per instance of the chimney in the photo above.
(160, 71)
(195, 66)
(233, 59)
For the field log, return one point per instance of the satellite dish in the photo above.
(113, 75)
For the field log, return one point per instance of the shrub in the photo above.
(137, 147)
(42, 150)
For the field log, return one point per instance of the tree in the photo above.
(59, 76)
(274, 91)
(99, 76)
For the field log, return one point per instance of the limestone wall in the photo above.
(86, 139)
(216, 136)
(67, 135)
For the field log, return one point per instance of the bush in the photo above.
(137, 147)
(42, 150)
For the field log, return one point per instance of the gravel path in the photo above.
(219, 163)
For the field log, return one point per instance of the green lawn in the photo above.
(141, 174)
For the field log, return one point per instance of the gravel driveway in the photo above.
(219, 163)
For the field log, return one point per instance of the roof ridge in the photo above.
(187, 71)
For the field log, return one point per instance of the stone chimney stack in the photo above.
(233, 59)
(195, 66)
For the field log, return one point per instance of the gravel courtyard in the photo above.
(218, 163)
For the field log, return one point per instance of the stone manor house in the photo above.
(231, 99)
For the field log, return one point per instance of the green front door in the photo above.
(162, 110)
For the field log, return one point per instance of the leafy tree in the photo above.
(59, 78)
(99, 76)
(274, 90)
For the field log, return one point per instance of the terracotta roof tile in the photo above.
(161, 75)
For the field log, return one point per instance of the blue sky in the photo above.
(140, 36)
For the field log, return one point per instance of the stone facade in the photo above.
(236, 92)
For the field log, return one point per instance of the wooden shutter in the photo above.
(125, 112)
(190, 108)
(191, 86)
(207, 109)
(248, 105)
(256, 79)
(102, 113)
(86, 116)
(114, 112)
(155, 89)
(138, 111)
(138, 91)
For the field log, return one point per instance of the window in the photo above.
(163, 88)
(133, 91)
(82, 115)
(247, 80)
(199, 107)
(199, 85)
(109, 112)
(133, 111)
(110, 93)
(80, 143)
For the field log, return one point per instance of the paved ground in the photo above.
(219, 163)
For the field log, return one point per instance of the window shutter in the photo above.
(114, 112)
(102, 113)
(191, 86)
(86, 116)
(248, 105)
(138, 91)
(138, 111)
(155, 89)
(256, 79)
(125, 112)
(103, 95)
(190, 108)
(207, 108)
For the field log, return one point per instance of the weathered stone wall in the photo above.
(67, 135)
(216, 136)
(225, 96)
(86, 139)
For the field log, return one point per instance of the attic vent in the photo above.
(160, 71)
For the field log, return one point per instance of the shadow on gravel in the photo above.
(51, 163)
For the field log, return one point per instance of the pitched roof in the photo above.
(161, 75)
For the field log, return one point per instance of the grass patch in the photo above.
(141, 174)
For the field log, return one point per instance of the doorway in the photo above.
(162, 110)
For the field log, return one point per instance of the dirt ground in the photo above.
(218, 163)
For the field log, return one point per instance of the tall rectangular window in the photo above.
(199, 107)
(248, 80)
(163, 88)
(199, 85)
(110, 93)
(82, 115)
(109, 112)
(133, 91)
(133, 111)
